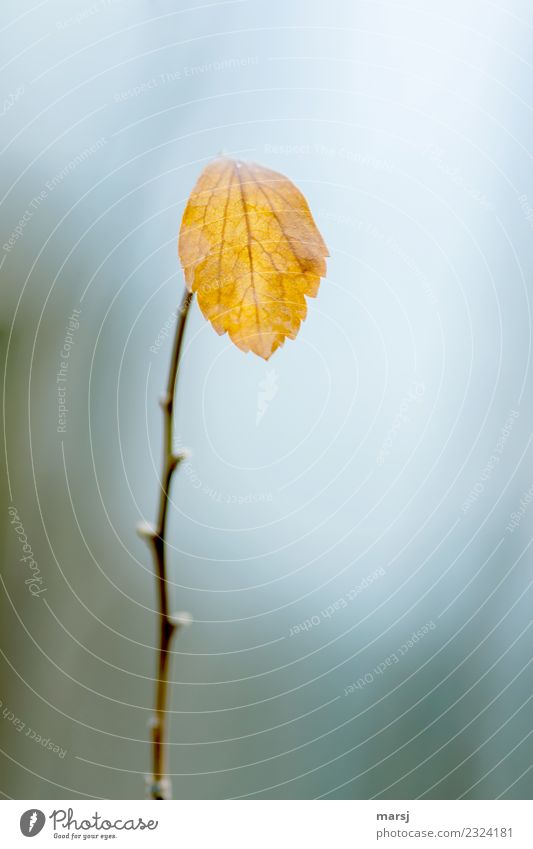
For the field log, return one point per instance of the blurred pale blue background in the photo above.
(390, 440)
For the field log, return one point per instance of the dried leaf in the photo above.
(251, 252)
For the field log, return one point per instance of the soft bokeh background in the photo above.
(391, 439)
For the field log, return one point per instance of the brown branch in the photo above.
(159, 783)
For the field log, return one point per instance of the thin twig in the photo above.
(159, 784)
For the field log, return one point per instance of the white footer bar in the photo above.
(268, 824)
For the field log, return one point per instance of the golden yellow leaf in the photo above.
(251, 251)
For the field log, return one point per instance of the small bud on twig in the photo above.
(161, 789)
(181, 619)
(146, 530)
